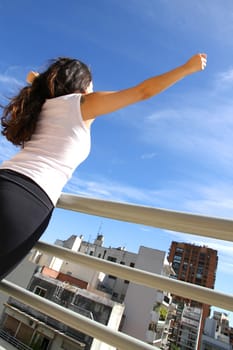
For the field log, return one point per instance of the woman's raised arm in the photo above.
(99, 103)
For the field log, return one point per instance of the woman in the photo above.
(50, 119)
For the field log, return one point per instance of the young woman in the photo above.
(50, 120)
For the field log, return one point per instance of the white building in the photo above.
(151, 312)
(62, 281)
(189, 329)
(216, 335)
(145, 304)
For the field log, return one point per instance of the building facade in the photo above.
(105, 298)
(38, 331)
(217, 333)
(197, 265)
(190, 328)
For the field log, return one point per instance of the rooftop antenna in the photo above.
(100, 227)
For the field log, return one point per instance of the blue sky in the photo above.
(174, 151)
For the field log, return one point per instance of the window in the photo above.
(177, 258)
(132, 264)
(100, 312)
(176, 266)
(202, 256)
(122, 297)
(11, 325)
(40, 291)
(24, 333)
(112, 277)
(183, 276)
(200, 270)
(115, 296)
(40, 342)
(179, 250)
(111, 258)
(68, 345)
(152, 326)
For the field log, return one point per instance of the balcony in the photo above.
(182, 222)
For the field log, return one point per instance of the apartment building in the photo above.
(197, 265)
(105, 298)
(189, 329)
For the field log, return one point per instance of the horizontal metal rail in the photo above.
(184, 289)
(171, 220)
(74, 320)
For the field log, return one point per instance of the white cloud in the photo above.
(206, 132)
(6, 79)
(223, 84)
(226, 76)
(104, 188)
(213, 199)
(9, 86)
(148, 155)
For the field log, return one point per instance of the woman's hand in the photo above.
(196, 63)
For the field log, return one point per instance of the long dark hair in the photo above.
(63, 76)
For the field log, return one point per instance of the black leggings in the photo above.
(25, 211)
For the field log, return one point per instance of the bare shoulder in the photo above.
(103, 102)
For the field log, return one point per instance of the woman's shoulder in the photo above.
(73, 96)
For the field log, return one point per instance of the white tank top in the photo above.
(60, 143)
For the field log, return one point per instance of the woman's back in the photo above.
(61, 141)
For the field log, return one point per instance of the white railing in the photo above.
(176, 221)
(171, 220)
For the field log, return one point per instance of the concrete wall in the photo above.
(139, 299)
(20, 276)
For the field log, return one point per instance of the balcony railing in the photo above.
(11, 340)
(176, 221)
